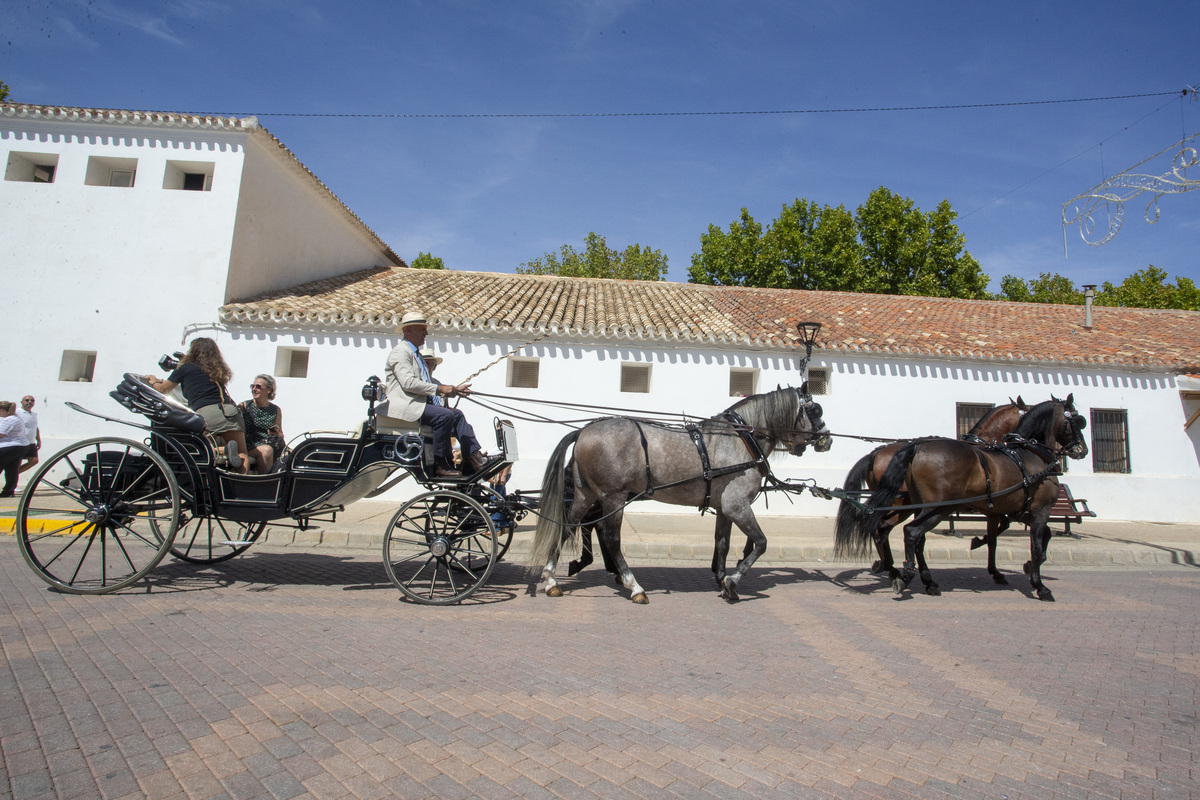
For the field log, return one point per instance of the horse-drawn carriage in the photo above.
(101, 514)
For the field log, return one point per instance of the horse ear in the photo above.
(778, 388)
(1021, 404)
(804, 388)
(1070, 401)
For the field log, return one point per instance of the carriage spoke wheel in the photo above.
(210, 539)
(98, 516)
(440, 547)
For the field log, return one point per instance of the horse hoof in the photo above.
(553, 591)
(977, 543)
(898, 585)
(729, 591)
(933, 591)
(640, 598)
(1000, 579)
(877, 568)
(1045, 595)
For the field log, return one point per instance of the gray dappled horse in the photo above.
(618, 458)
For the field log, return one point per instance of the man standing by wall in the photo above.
(32, 434)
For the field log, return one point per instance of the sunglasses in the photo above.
(254, 386)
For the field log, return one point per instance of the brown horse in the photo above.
(1015, 479)
(995, 425)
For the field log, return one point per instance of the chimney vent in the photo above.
(1089, 291)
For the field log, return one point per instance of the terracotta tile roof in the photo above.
(25, 112)
(633, 311)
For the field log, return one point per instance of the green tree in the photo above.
(427, 261)
(1149, 289)
(1047, 288)
(889, 246)
(599, 261)
(813, 247)
(4, 90)
(731, 259)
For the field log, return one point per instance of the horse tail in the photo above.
(890, 486)
(548, 536)
(849, 517)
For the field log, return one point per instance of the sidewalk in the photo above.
(802, 540)
(660, 536)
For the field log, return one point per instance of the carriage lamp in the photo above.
(808, 335)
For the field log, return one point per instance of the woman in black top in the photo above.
(202, 375)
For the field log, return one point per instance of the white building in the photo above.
(224, 233)
(124, 227)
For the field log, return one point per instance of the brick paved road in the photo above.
(304, 674)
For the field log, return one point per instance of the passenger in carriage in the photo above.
(264, 424)
(203, 374)
(413, 395)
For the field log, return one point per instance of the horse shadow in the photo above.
(963, 580)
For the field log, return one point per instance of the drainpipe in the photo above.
(1089, 291)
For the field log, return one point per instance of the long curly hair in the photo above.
(205, 354)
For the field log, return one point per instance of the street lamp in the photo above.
(808, 335)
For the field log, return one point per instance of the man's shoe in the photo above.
(442, 472)
(481, 460)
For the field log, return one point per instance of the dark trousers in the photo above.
(10, 462)
(447, 422)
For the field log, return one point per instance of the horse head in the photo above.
(1056, 425)
(810, 423)
(1070, 436)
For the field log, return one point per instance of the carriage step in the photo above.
(234, 543)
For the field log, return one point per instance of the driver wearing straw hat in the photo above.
(413, 394)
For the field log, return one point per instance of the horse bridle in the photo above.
(818, 435)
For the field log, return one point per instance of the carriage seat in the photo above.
(385, 424)
(138, 396)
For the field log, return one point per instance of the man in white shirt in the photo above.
(32, 434)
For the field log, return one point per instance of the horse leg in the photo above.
(721, 534)
(585, 551)
(756, 545)
(996, 525)
(575, 516)
(914, 552)
(1039, 543)
(886, 562)
(609, 534)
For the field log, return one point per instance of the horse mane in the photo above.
(1037, 422)
(771, 411)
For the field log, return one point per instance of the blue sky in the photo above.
(490, 192)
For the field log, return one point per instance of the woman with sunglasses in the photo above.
(264, 424)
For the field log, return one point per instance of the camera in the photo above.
(167, 363)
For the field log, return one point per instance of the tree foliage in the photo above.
(1149, 289)
(1145, 289)
(888, 246)
(4, 90)
(1047, 288)
(598, 260)
(427, 261)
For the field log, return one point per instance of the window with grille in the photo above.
(291, 362)
(635, 378)
(742, 382)
(523, 373)
(1110, 440)
(818, 380)
(967, 416)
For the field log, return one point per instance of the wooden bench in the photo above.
(1067, 509)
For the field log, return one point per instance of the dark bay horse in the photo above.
(618, 458)
(869, 470)
(1015, 479)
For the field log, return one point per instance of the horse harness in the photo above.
(1011, 446)
(708, 473)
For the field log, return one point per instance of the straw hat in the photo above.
(412, 318)
(428, 354)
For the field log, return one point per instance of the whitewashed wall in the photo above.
(868, 397)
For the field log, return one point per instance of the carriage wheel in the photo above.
(98, 516)
(211, 540)
(440, 547)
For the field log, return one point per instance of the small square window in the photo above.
(189, 176)
(111, 172)
(635, 378)
(1110, 440)
(291, 362)
(523, 373)
(77, 365)
(742, 382)
(31, 167)
(818, 380)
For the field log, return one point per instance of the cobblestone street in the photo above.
(293, 674)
